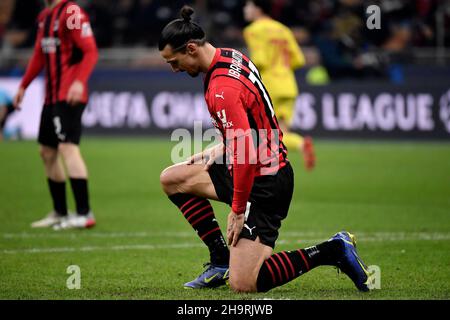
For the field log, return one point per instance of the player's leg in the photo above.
(246, 259)
(67, 125)
(53, 169)
(189, 187)
(188, 179)
(284, 109)
(254, 269)
(285, 266)
(75, 165)
(78, 175)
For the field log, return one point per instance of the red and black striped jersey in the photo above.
(241, 109)
(65, 47)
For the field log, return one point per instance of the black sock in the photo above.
(58, 192)
(80, 193)
(200, 215)
(285, 266)
(323, 254)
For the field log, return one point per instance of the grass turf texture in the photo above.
(394, 196)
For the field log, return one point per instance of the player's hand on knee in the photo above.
(234, 228)
(210, 160)
(195, 158)
(214, 154)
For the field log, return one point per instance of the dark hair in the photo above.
(179, 32)
(264, 5)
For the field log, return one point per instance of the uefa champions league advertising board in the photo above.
(159, 102)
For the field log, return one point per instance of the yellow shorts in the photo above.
(284, 109)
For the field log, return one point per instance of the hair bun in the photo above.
(186, 13)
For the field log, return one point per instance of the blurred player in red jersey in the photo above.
(65, 48)
(257, 182)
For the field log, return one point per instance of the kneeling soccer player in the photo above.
(258, 191)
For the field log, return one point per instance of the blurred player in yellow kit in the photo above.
(275, 52)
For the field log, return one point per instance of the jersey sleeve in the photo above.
(35, 65)
(239, 144)
(80, 31)
(255, 43)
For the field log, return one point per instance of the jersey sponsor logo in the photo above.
(214, 122)
(220, 96)
(223, 118)
(49, 44)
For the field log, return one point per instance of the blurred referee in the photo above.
(65, 48)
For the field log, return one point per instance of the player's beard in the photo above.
(193, 74)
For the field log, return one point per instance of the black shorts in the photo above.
(60, 122)
(269, 201)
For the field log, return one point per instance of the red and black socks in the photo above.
(285, 266)
(200, 215)
(58, 193)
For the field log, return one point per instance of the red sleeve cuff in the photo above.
(239, 209)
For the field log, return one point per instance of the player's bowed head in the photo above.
(183, 45)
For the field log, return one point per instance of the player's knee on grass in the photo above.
(245, 263)
(242, 283)
(243, 277)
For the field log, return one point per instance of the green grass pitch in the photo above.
(395, 197)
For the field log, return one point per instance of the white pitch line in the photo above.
(84, 233)
(365, 237)
(308, 235)
(380, 236)
(99, 248)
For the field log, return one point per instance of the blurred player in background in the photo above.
(257, 182)
(274, 50)
(66, 49)
(6, 108)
